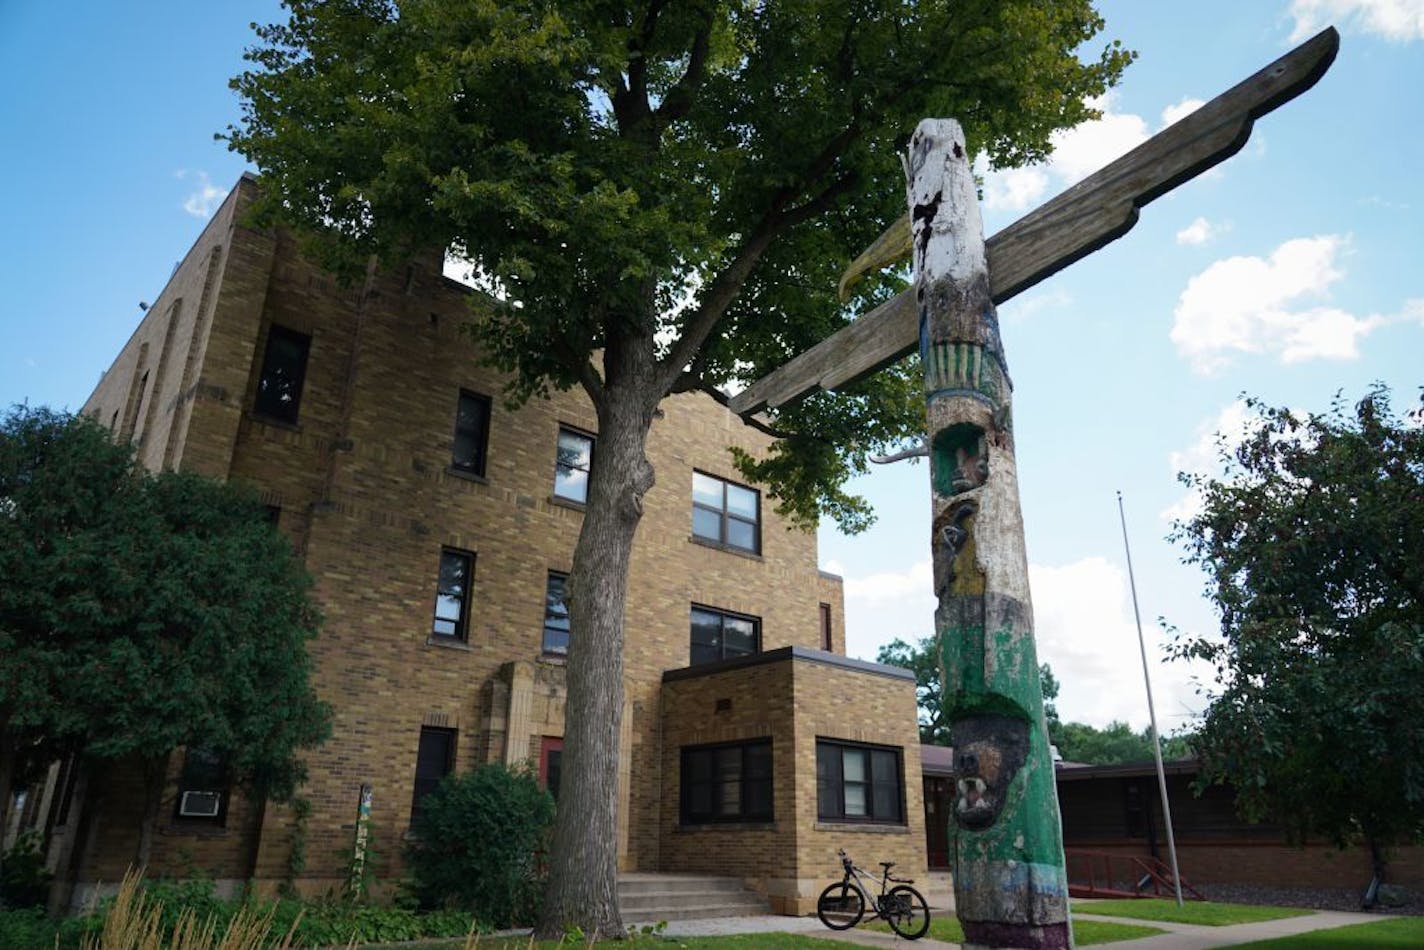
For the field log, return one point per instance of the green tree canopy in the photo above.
(660, 197)
(140, 614)
(1312, 540)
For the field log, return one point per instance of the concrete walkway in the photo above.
(1178, 936)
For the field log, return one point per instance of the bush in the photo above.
(478, 843)
(24, 882)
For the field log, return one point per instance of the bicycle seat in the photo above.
(887, 865)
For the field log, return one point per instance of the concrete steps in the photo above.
(648, 898)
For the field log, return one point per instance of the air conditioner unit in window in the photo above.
(200, 804)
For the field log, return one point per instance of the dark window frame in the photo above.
(827, 641)
(462, 623)
(271, 408)
(545, 647)
(479, 455)
(424, 758)
(724, 616)
(831, 783)
(560, 466)
(747, 812)
(725, 516)
(204, 771)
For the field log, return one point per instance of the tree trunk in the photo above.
(582, 888)
(7, 775)
(155, 775)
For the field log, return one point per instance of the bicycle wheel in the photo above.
(906, 912)
(841, 906)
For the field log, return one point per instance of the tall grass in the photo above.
(135, 922)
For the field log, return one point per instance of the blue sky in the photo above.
(1290, 272)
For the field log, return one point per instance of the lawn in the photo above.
(1085, 932)
(1204, 913)
(1380, 934)
(772, 941)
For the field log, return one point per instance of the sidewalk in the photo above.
(1178, 936)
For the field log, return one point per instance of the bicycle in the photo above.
(842, 905)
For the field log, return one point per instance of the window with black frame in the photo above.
(856, 782)
(556, 614)
(572, 464)
(727, 783)
(725, 513)
(284, 371)
(718, 635)
(202, 785)
(434, 759)
(452, 595)
(472, 417)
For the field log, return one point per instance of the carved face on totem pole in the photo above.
(989, 750)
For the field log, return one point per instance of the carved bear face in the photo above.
(989, 750)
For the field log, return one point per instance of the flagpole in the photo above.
(1151, 711)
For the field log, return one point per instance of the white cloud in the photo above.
(1084, 629)
(1181, 110)
(203, 202)
(1023, 308)
(1077, 153)
(1086, 632)
(1397, 20)
(1227, 429)
(1198, 232)
(1261, 306)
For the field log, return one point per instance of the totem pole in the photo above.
(1007, 847)
(1009, 881)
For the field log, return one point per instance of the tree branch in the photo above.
(680, 97)
(688, 383)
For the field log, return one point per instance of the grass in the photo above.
(1204, 913)
(1085, 932)
(772, 941)
(1381, 934)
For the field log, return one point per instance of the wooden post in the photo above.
(1006, 841)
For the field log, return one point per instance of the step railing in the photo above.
(1106, 874)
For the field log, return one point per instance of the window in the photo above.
(452, 594)
(284, 367)
(575, 459)
(472, 416)
(826, 627)
(556, 615)
(722, 636)
(724, 513)
(858, 783)
(203, 785)
(551, 764)
(727, 782)
(433, 761)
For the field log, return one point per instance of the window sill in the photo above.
(448, 643)
(568, 503)
(740, 552)
(195, 828)
(274, 423)
(862, 827)
(758, 825)
(554, 659)
(466, 475)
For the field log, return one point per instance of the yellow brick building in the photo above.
(438, 526)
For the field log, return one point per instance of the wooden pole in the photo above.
(1006, 839)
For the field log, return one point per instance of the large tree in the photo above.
(660, 197)
(1312, 540)
(140, 614)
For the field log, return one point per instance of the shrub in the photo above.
(24, 882)
(478, 842)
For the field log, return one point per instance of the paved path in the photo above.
(1178, 936)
